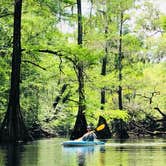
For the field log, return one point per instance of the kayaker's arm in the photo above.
(101, 127)
(89, 136)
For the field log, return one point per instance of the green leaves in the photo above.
(163, 22)
(100, 30)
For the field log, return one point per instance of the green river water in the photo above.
(50, 152)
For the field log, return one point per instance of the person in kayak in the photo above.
(90, 135)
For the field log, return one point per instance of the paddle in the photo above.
(99, 128)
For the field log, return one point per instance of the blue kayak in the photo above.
(82, 143)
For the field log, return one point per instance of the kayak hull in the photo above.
(82, 143)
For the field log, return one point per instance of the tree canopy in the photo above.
(129, 35)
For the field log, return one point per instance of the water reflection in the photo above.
(80, 153)
(83, 154)
(138, 152)
(50, 152)
(12, 154)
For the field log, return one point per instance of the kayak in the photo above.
(82, 143)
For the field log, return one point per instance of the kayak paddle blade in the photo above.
(101, 127)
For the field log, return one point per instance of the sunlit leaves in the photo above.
(4, 84)
(163, 22)
(109, 115)
(40, 87)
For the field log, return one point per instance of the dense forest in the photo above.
(65, 63)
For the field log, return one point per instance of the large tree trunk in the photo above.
(120, 63)
(13, 128)
(80, 124)
(119, 126)
(104, 70)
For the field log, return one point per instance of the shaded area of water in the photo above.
(50, 152)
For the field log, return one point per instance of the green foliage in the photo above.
(156, 83)
(131, 43)
(163, 22)
(110, 115)
(43, 74)
(4, 85)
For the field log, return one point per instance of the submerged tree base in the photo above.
(37, 132)
(13, 128)
(80, 127)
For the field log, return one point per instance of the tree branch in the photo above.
(158, 109)
(27, 61)
(6, 14)
(60, 65)
(144, 130)
(151, 97)
(58, 53)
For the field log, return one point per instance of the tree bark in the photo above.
(79, 13)
(104, 70)
(13, 128)
(120, 126)
(58, 98)
(120, 63)
(80, 124)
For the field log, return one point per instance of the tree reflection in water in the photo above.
(13, 154)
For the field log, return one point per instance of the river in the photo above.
(50, 152)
